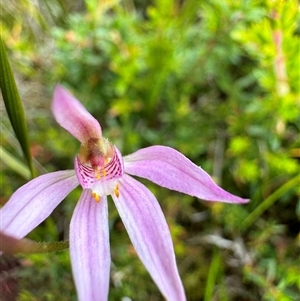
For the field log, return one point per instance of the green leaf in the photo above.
(13, 104)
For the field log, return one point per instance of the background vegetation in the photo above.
(217, 80)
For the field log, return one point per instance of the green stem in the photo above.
(11, 245)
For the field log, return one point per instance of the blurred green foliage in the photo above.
(217, 80)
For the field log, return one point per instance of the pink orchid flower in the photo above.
(101, 171)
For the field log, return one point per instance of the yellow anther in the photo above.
(116, 191)
(96, 196)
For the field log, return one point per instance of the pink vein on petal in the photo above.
(89, 248)
(34, 202)
(169, 168)
(150, 235)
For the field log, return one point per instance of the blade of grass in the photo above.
(14, 164)
(14, 105)
(212, 275)
(270, 200)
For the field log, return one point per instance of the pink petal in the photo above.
(150, 235)
(34, 202)
(168, 168)
(73, 116)
(89, 248)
